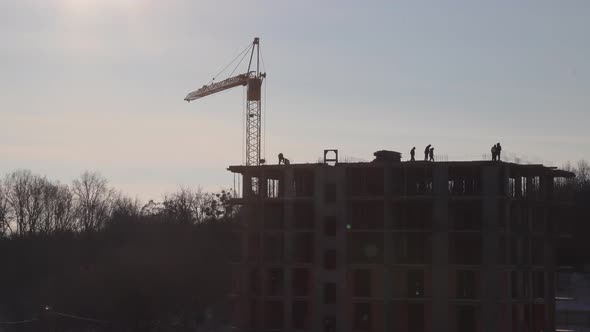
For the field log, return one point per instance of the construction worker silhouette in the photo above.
(494, 152)
(283, 160)
(431, 154)
(413, 154)
(426, 152)
(498, 151)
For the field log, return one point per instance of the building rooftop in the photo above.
(519, 168)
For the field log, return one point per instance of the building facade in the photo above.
(397, 246)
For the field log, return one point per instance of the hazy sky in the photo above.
(99, 84)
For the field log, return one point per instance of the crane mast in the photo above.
(252, 79)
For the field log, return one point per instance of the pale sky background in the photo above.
(99, 84)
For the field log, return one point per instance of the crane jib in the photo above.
(218, 87)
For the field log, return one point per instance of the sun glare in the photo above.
(87, 26)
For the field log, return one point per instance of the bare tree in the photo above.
(124, 206)
(582, 171)
(58, 208)
(63, 209)
(216, 205)
(17, 192)
(5, 228)
(34, 205)
(583, 174)
(152, 209)
(30, 204)
(182, 205)
(48, 201)
(93, 200)
(195, 206)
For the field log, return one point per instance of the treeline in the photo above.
(87, 250)
(573, 249)
(32, 204)
(582, 170)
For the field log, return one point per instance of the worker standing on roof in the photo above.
(431, 154)
(494, 152)
(426, 152)
(498, 151)
(413, 154)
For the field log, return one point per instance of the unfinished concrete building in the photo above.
(397, 246)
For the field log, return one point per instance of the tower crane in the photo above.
(252, 79)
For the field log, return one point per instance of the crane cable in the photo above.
(264, 125)
(234, 59)
(244, 102)
(242, 59)
(265, 108)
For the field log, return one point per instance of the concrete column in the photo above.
(489, 272)
(550, 267)
(518, 186)
(341, 213)
(288, 243)
(440, 252)
(334, 175)
(508, 222)
(318, 272)
(388, 247)
(247, 185)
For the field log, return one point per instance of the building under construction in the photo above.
(397, 246)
